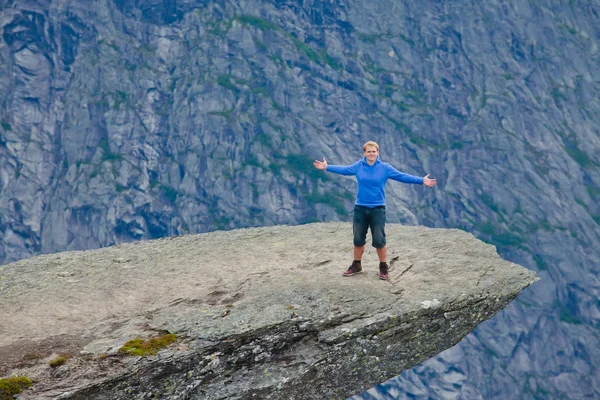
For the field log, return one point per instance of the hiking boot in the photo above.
(353, 269)
(383, 271)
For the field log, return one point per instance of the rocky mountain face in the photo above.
(126, 120)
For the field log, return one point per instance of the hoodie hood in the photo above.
(364, 160)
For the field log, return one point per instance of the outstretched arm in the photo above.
(396, 175)
(337, 169)
(406, 178)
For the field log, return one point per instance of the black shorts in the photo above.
(365, 218)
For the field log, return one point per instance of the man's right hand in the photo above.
(321, 164)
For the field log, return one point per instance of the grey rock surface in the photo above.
(259, 313)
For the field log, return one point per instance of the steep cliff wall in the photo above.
(128, 120)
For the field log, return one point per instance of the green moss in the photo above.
(256, 22)
(308, 51)
(568, 28)
(120, 98)
(58, 361)
(418, 96)
(370, 38)
(414, 138)
(170, 193)
(541, 264)
(264, 139)
(332, 62)
(224, 114)
(578, 156)
(107, 155)
(225, 81)
(110, 44)
(303, 164)
(12, 386)
(407, 40)
(141, 347)
(260, 90)
(252, 161)
(568, 317)
(499, 237)
(545, 225)
(593, 191)
(277, 59)
(260, 45)
(419, 141)
(6, 126)
(557, 95)
(277, 106)
(331, 200)
(487, 200)
(129, 66)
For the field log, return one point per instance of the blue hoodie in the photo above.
(372, 179)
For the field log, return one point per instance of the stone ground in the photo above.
(87, 304)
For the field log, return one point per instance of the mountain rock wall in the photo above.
(130, 120)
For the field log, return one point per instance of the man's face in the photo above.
(371, 153)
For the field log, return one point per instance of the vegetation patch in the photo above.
(6, 126)
(334, 202)
(407, 40)
(12, 386)
(120, 98)
(557, 95)
(317, 57)
(541, 264)
(500, 237)
(224, 114)
(225, 81)
(568, 317)
(578, 156)
(301, 164)
(489, 203)
(170, 193)
(370, 38)
(308, 51)
(593, 191)
(256, 22)
(147, 347)
(107, 155)
(60, 360)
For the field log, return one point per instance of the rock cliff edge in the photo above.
(258, 313)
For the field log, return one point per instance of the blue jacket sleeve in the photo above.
(343, 169)
(396, 175)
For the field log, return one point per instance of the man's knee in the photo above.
(379, 241)
(359, 240)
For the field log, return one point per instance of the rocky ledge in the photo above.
(258, 313)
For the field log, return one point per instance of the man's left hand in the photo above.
(428, 181)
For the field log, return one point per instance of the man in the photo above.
(369, 210)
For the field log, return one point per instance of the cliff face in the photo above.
(258, 313)
(128, 120)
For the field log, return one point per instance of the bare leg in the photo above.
(358, 252)
(381, 253)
